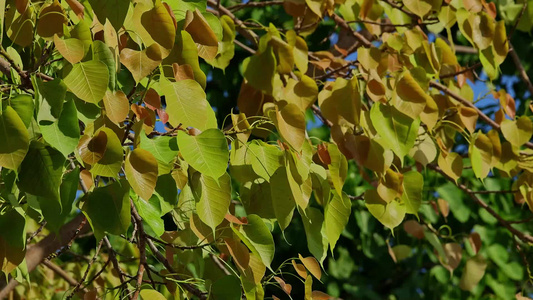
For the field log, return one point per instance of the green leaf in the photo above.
(413, 184)
(87, 80)
(113, 10)
(164, 149)
(226, 288)
(264, 158)
(226, 48)
(141, 170)
(111, 162)
(56, 212)
(389, 214)
(103, 54)
(72, 50)
(336, 216)
(213, 197)
(41, 171)
(185, 53)
(338, 168)
(15, 139)
(187, 105)
(284, 196)
(108, 209)
(64, 133)
(150, 212)
(207, 152)
(257, 238)
(397, 130)
(180, 7)
(12, 239)
(23, 105)
(317, 243)
(473, 272)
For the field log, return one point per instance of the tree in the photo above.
(309, 149)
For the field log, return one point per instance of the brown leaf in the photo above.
(51, 20)
(414, 228)
(239, 252)
(204, 37)
(300, 269)
(182, 72)
(91, 150)
(116, 106)
(287, 288)
(475, 241)
(444, 207)
(77, 8)
(312, 265)
(87, 179)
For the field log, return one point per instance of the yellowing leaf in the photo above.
(113, 10)
(141, 171)
(500, 43)
(159, 25)
(141, 63)
(284, 192)
(72, 50)
(299, 268)
(480, 153)
(259, 240)
(239, 252)
(422, 7)
(15, 139)
(202, 34)
(413, 184)
(111, 162)
(87, 80)
(389, 214)
(116, 106)
(207, 152)
(20, 27)
(300, 50)
(51, 20)
(290, 122)
(411, 97)
(342, 102)
(473, 272)
(226, 47)
(517, 132)
(451, 164)
(468, 117)
(187, 105)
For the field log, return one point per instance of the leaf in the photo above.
(413, 184)
(213, 197)
(92, 149)
(338, 167)
(501, 46)
(113, 10)
(141, 170)
(87, 80)
(64, 133)
(41, 171)
(414, 228)
(389, 214)
(187, 105)
(51, 20)
(317, 242)
(424, 150)
(336, 215)
(163, 148)
(207, 152)
(517, 132)
(202, 34)
(111, 162)
(398, 131)
(480, 153)
(312, 265)
(102, 53)
(108, 209)
(116, 106)
(264, 158)
(72, 50)
(159, 27)
(285, 195)
(19, 26)
(300, 269)
(23, 104)
(300, 50)
(226, 47)
(239, 253)
(301, 92)
(259, 70)
(342, 102)
(185, 53)
(290, 122)
(226, 288)
(77, 8)
(15, 139)
(451, 164)
(473, 272)
(258, 238)
(150, 212)
(148, 294)
(141, 63)
(411, 98)
(12, 239)
(454, 254)
(422, 7)
(57, 212)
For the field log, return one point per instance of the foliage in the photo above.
(302, 149)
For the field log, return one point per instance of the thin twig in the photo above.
(78, 285)
(249, 4)
(33, 235)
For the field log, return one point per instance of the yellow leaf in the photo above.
(72, 50)
(411, 98)
(451, 164)
(290, 122)
(312, 265)
(517, 132)
(116, 106)
(300, 50)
